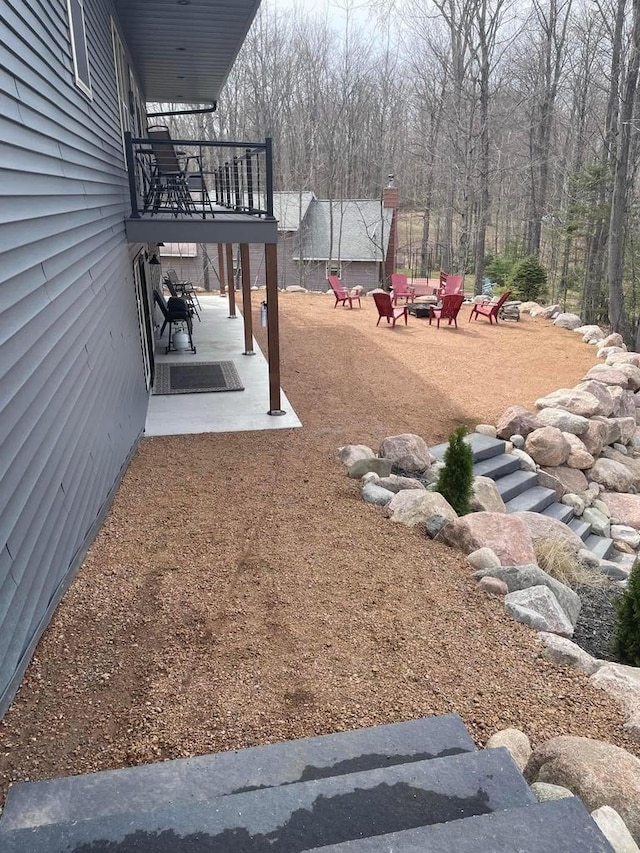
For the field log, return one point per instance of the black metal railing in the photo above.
(181, 177)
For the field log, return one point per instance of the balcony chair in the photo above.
(183, 290)
(172, 184)
(341, 293)
(400, 288)
(451, 304)
(492, 310)
(386, 309)
(174, 311)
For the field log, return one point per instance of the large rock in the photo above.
(579, 457)
(548, 481)
(492, 586)
(547, 446)
(486, 496)
(626, 534)
(624, 358)
(412, 507)
(602, 392)
(563, 652)
(352, 453)
(526, 462)
(546, 312)
(615, 830)
(544, 527)
(538, 608)
(599, 773)
(524, 577)
(613, 340)
(483, 558)
(572, 479)
(516, 420)
(574, 400)
(527, 307)
(631, 372)
(627, 427)
(614, 476)
(594, 437)
(396, 484)
(372, 493)
(567, 321)
(381, 467)
(623, 684)
(624, 403)
(547, 793)
(563, 420)
(516, 742)
(590, 334)
(611, 428)
(407, 452)
(506, 535)
(631, 463)
(599, 522)
(608, 375)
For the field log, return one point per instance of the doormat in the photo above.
(198, 378)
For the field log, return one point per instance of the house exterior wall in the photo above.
(73, 397)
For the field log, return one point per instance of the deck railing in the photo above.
(183, 178)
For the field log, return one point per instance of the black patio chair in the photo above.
(179, 293)
(174, 311)
(172, 182)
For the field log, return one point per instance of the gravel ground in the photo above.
(259, 598)
(594, 629)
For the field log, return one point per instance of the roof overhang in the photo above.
(183, 50)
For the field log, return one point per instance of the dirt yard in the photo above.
(240, 591)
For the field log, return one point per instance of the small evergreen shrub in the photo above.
(455, 482)
(528, 280)
(626, 637)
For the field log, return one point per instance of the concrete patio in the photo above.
(218, 338)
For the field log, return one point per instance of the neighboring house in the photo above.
(76, 235)
(363, 246)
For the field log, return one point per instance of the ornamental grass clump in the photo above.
(455, 482)
(626, 637)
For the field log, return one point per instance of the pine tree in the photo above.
(456, 478)
(626, 638)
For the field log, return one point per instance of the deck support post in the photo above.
(230, 282)
(246, 299)
(221, 278)
(273, 328)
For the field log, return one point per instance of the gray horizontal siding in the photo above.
(72, 393)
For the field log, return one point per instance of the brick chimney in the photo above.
(391, 200)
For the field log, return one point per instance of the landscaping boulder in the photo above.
(547, 312)
(622, 683)
(296, 288)
(615, 830)
(626, 534)
(351, 453)
(567, 321)
(545, 527)
(572, 479)
(574, 400)
(606, 352)
(486, 429)
(611, 428)
(545, 793)
(602, 392)
(527, 307)
(548, 481)
(608, 375)
(516, 742)
(372, 493)
(538, 608)
(599, 773)
(627, 427)
(594, 437)
(516, 420)
(579, 457)
(563, 420)
(492, 586)
(432, 474)
(624, 358)
(413, 507)
(563, 652)
(396, 484)
(526, 576)
(624, 403)
(599, 522)
(614, 476)
(590, 334)
(505, 534)
(486, 496)
(576, 503)
(526, 462)
(547, 446)
(613, 340)
(483, 558)
(631, 372)
(434, 524)
(407, 452)
(382, 467)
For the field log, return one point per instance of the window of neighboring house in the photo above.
(79, 45)
(334, 270)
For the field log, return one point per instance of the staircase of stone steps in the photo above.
(521, 491)
(416, 786)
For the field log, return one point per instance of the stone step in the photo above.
(139, 789)
(533, 500)
(515, 483)
(496, 466)
(483, 447)
(599, 545)
(563, 826)
(561, 512)
(296, 817)
(582, 528)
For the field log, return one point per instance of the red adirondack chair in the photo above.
(490, 311)
(401, 289)
(341, 293)
(451, 305)
(386, 309)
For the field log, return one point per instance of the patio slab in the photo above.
(218, 338)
